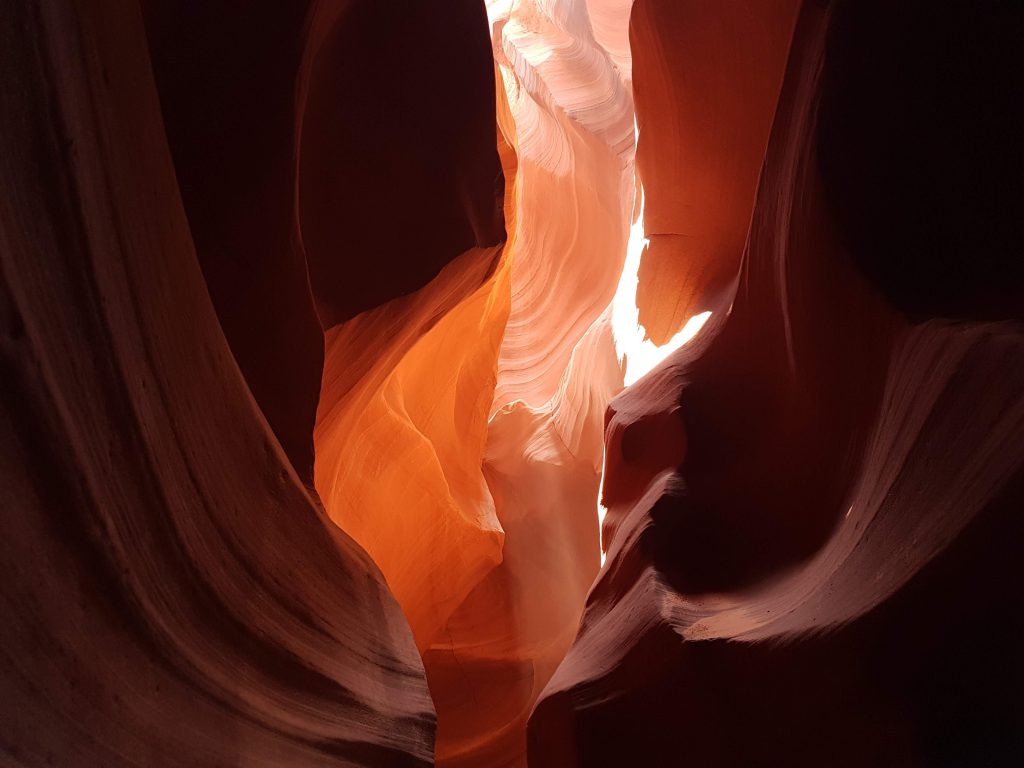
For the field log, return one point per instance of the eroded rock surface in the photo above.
(801, 574)
(409, 236)
(171, 593)
(459, 437)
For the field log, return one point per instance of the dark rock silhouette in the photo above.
(315, 320)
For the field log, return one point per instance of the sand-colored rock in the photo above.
(423, 238)
(460, 431)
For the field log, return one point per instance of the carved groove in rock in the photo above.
(316, 326)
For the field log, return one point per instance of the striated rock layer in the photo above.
(459, 435)
(171, 594)
(422, 238)
(571, 116)
(227, 84)
(813, 510)
(414, 312)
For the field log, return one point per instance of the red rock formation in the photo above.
(706, 80)
(800, 574)
(459, 437)
(573, 135)
(171, 593)
(227, 81)
(421, 228)
(408, 375)
(398, 169)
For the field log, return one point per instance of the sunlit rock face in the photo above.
(407, 384)
(572, 128)
(460, 431)
(561, 382)
(171, 593)
(811, 509)
(706, 81)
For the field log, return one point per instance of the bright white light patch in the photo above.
(641, 355)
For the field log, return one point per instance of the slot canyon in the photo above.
(493, 383)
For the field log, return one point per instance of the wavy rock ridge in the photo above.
(463, 445)
(172, 594)
(791, 578)
(315, 325)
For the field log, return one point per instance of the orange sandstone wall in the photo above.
(397, 234)
(459, 437)
(706, 81)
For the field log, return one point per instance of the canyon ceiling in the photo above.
(547, 382)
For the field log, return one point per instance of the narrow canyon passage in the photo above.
(492, 383)
(467, 460)
(466, 454)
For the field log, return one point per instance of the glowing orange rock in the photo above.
(706, 80)
(401, 435)
(459, 436)
(812, 511)
(573, 138)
